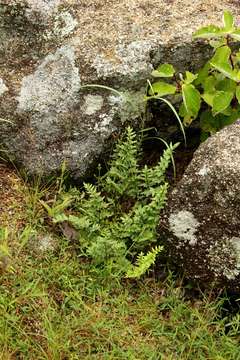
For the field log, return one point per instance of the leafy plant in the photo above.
(213, 93)
(115, 221)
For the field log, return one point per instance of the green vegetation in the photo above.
(57, 307)
(115, 220)
(77, 274)
(66, 287)
(213, 93)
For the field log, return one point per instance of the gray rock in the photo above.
(201, 223)
(64, 123)
(54, 85)
(45, 7)
(33, 10)
(49, 48)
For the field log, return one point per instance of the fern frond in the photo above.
(90, 189)
(58, 206)
(117, 219)
(143, 263)
(122, 177)
(140, 224)
(155, 176)
(105, 248)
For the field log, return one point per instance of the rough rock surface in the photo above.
(201, 223)
(49, 48)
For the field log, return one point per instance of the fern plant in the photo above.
(143, 263)
(122, 177)
(116, 219)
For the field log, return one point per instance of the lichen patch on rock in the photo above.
(184, 226)
(131, 62)
(53, 85)
(3, 87)
(43, 7)
(64, 24)
(93, 103)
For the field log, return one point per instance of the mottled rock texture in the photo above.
(201, 223)
(50, 48)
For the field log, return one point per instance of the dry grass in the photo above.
(12, 200)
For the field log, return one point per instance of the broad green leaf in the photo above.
(208, 98)
(228, 21)
(238, 93)
(190, 77)
(208, 122)
(226, 85)
(220, 61)
(208, 32)
(191, 99)
(202, 74)
(182, 110)
(237, 56)
(219, 77)
(236, 34)
(161, 88)
(212, 124)
(227, 111)
(221, 101)
(221, 55)
(226, 70)
(187, 118)
(227, 120)
(209, 84)
(218, 43)
(165, 70)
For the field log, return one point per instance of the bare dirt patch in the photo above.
(11, 198)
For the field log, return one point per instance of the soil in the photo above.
(12, 201)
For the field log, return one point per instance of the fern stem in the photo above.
(171, 152)
(102, 87)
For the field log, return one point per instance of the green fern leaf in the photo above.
(144, 262)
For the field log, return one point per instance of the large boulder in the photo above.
(201, 223)
(50, 48)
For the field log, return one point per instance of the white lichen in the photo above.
(105, 124)
(224, 258)
(44, 7)
(54, 84)
(132, 60)
(92, 104)
(204, 170)
(46, 242)
(129, 106)
(184, 226)
(235, 241)
(231, 274)
(64, 24)
(3, 87)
